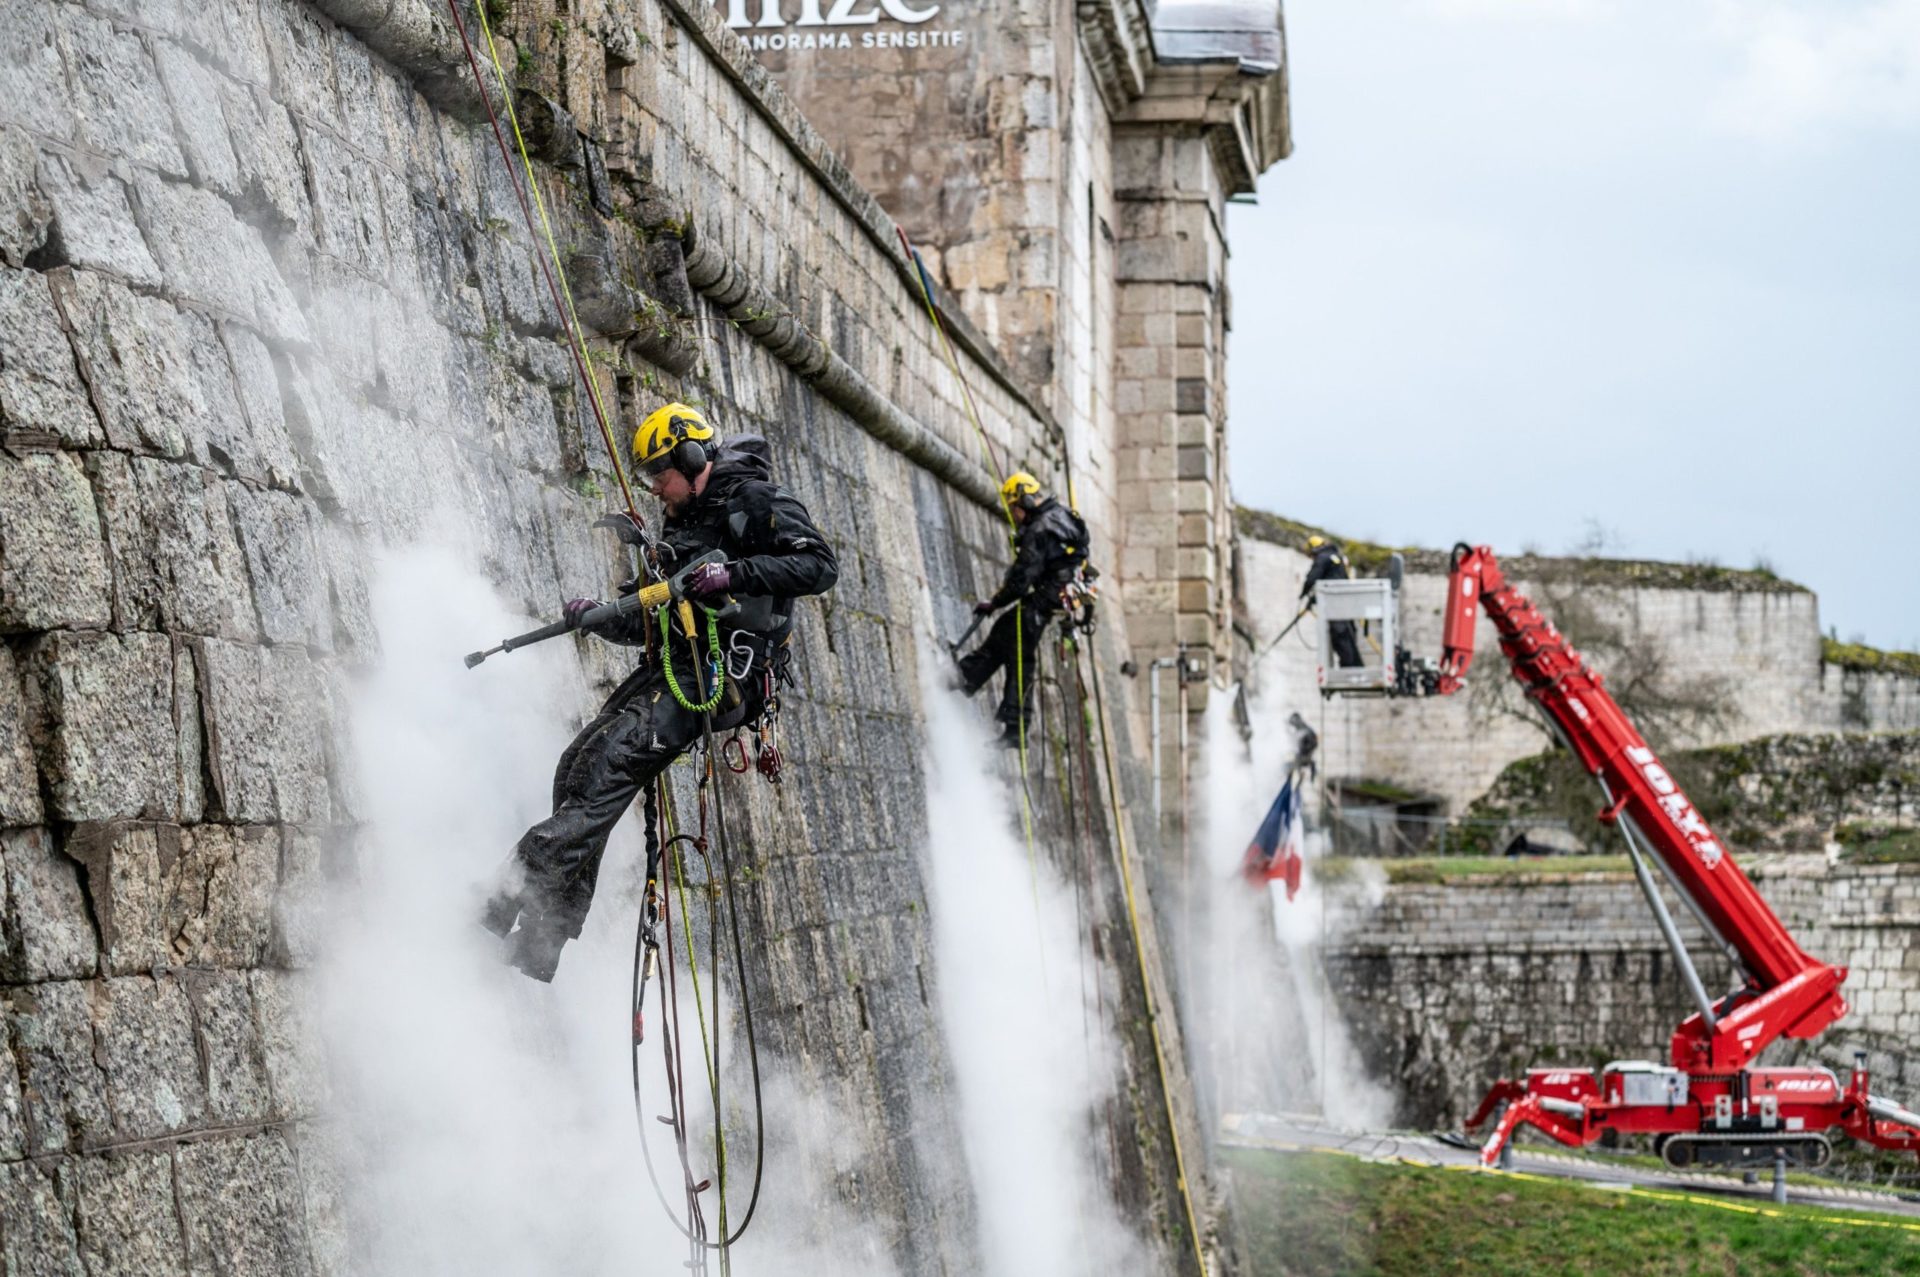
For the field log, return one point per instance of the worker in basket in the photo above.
(1331, 565)
(717, 497)
(1050, 553)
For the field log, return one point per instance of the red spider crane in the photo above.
(1713, 1105)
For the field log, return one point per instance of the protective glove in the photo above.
(709, 578)
(983, 608)
(574, 609)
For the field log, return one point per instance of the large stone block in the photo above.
(263, 453)
(300, 904)
(287, 1005)
(36, 1235)
(40, 387)
(117, 100)
(230, 31)
(111, 748)
(240, 1201)
(133, 353)
(93, 225)
(354, 636)
(348, 221)
(211, 257)
(264, 710)
(217, 898)
(176, 562)
(64, 1088)
(300, 48)
(24, 210)
(235, 1067)
(279, 533)
(50, 933)
(33, 76)
(200, 121)
(126, 867)
(267, 158)
(326, 1163)
(125, 1215)
(52, 563)
(144, 1030)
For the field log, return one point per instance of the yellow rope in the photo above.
(571, 318)
(1140, 953)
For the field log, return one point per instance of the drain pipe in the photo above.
(1153, 699)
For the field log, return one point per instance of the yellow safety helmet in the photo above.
(1315, 541)
(672, 437)
(1019, 489)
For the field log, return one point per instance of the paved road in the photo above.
(1294, 1132)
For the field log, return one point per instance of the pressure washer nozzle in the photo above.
(474, 658)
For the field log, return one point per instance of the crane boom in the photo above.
(1788, 992)
(1713, 1105)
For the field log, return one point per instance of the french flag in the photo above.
(1275, 849)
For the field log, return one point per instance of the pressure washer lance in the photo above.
(1298, 616)
(955, 646)
(671, 590)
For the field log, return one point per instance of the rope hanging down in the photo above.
(556, 273)
(665, 854)
(654, 910)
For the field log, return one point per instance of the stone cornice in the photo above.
(1240, 102)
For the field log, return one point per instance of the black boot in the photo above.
(500, 912)
(1009, 737)
(535, 948)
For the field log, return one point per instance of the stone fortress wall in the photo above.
(266, 306)
(1446, 987)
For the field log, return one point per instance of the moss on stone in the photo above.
(1370, 559)
(1869, 660)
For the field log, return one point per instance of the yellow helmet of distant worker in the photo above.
(672, 437)
(1020, 489)
(1315, 541)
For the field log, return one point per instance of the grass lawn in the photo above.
(1317, 1215)
(1440, 869)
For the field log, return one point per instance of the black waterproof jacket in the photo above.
(1328, 565)
(1050, 547)
(774, 552)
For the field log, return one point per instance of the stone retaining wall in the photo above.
(1448, 987)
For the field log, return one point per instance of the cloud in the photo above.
(1812, 63)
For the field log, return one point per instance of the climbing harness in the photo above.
(1078, 595)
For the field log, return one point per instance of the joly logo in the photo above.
(1675, 804)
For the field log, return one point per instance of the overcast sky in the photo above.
(1538, 263)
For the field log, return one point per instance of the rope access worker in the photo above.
(1050, 548)
(1331, 565)
(717, 496)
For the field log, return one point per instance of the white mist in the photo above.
(1030, 1071)
(1276, 1038)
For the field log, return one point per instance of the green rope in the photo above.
(713, 651)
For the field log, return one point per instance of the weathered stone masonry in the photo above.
(1447, 987)
(265, 306)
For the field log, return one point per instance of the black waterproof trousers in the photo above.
(635, 737)
(1346, 650)
(1013, 645)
